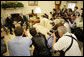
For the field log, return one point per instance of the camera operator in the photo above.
(53, 15)
(50, 38)
(66, 43)
(79, 31)
(9, 23)
(79, 21)
(72, 23)
(40, 43)
(19, 46)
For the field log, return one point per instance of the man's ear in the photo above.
(60, 34)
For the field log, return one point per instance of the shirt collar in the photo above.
(18, 37)
(67, 33)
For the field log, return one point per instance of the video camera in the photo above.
(52, 23)
(54, 30)
(50, 12)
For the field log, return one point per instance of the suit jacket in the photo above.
(64, 10)
(9, 22)
(76, 13)
(40, 43)
(25, 19)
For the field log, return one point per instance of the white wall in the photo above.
(79, 4)
(46, 7)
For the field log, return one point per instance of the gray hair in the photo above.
(62, 29)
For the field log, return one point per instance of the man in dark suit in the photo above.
(20, 20)
(54, 14)
(9, 23)
(24, 20)
(64, 10)
(75, 11)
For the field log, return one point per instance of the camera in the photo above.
(50, 12)
(54, 30)
(52, 23)
(53, 18)
(51, 31)
(56, 26)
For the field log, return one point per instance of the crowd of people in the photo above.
(64, 38)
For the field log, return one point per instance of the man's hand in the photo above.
(68, 20)
(54, 40)
(53, 35)
(25, 32)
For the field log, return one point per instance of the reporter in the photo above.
(19, 46)
(65, 41)
(40, 43)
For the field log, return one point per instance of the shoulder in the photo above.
(26, 38)
(63, 38)
(10, 42)
(66, 24)
(71, 34)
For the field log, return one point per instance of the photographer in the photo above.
(79, 21)
(9, 23)
(40, 43)
(45, 16)
(54, 13)
(72, 23)
(24, 20)
(50, 38)
(67, 44)
(75, 11)
(19, 46)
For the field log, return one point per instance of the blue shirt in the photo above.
(19, 46)
(50, 41)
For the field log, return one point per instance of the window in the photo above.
(71, 5)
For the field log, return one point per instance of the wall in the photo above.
(46, 7)
(79, 4)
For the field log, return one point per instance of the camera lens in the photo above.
(49, 34)
(52, 23)
(51, 31)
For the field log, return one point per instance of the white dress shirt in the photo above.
(67, 26)
(72, 25)
(64, 42)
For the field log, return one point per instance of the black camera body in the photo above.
(52, 23)
(54, 30)
(50, 12)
